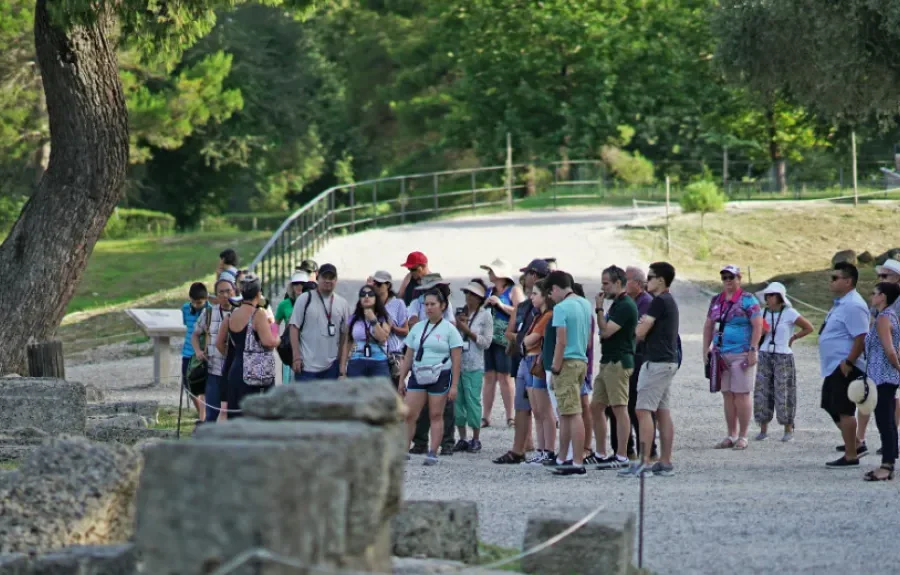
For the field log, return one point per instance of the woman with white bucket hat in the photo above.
(882, 370)
(775, 391)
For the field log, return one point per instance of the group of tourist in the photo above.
(533, 338)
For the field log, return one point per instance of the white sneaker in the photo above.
(536, 459)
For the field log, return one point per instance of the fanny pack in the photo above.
(429, 374)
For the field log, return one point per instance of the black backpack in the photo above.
(285, 352)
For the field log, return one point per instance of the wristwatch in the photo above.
(753, 348)
(555, 371)
(598, 309)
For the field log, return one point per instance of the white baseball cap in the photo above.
(889, 267)
(299, 277)
(732, 269)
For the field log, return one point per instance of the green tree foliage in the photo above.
(702, 197)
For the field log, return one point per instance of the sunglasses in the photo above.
(884, 276)
(378, 284)
(727, 278)
(836, 278)
(367, 294)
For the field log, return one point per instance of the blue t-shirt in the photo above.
(441, 338)
(189, 316)
(574, 313)
(737, 315)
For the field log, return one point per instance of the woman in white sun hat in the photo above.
(502, 301)
(883, 369)
(776, 378)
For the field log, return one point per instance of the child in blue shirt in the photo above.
(189, 314)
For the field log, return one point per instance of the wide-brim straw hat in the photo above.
(775, 287)
(501, 269)
(864, 394)
(474, 288)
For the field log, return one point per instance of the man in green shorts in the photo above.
(572, 322)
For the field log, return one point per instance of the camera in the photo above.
(460, 311)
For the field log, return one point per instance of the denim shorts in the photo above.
(495, 359)
(441, 387)
(521, 402)
(530, 380)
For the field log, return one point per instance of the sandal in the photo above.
(870, 476)
(485, 423)
(726, 443)
(741, 444)
(509, 458)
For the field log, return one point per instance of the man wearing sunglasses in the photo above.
(841, 342)
(417, 264)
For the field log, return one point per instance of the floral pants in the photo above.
(776, 388)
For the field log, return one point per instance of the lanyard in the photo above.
(425, 334)
(775, 326)
(329, 309)
(724, 314)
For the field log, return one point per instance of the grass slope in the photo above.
(124, 270)
(793, 245)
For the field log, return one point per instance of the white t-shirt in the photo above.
(781, 324)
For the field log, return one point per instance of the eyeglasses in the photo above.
(836, 278)
(727, 278)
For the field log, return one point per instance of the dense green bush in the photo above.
(10, 207)
(702, 197)
(245, 222)
(217, 224)
(130, 223)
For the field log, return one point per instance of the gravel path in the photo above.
(774, 507)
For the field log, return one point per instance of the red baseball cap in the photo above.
(415, 259)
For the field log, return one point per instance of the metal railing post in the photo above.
(352, 209)
(331, 214)
(402, 200)
(375, 205)
(435, 192)
(473, 192)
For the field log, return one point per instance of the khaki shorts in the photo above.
(653, 385)
(736, 379)
(567, 386)
(611, 385)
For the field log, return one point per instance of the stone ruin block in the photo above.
(604, 545)
(78, 560)
(54, 406)
(320, 491)
(69, 492)
(436, 529)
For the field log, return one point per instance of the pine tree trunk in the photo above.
(44, 256)
(779, 167)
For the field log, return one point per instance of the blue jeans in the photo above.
(213, 397)
(368, 368)
(330, 373)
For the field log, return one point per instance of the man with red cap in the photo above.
(417, 264)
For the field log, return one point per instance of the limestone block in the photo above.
(436, 529)
(127, 435)
(373, 400)
(126, 420)
(316, 491)
(78, 560)
(51, 405)
(69, 492)
(411, 566)
(604, 545)
(147, 409)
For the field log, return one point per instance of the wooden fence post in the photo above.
(45, 359)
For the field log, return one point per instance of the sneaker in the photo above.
(552, 462)
(761, 435)
(418, 450)
(788, 436)
(635, 470)
(430, 459)
(461, 446)
(447, 450)
(570, 470)
(474, 446)
(613, 462)
(878, 452)
(663, 470)
(593, 458)
(536, 459)
(842, 462)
